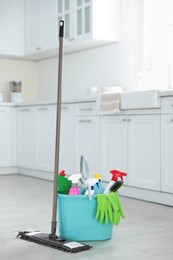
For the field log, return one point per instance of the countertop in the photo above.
(163, 93)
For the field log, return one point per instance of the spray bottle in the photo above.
(98, 187)
(90, 185)
(64, 184)
(74, 190)
(115, 175)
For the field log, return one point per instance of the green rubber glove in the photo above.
(116, 207)
(102, 208)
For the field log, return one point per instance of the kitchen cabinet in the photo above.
(41, 32)
(7, 136)
(87, 136)
(90, 23)
(45, 134)
(143, 158)
(67, 142)
(113, 141)
(26, 137)
(11, 28)
(124, 142)
(167, 144)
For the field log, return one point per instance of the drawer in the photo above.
(167, 105)
(82, 109)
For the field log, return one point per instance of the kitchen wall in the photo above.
(117, 64)
(19, 70)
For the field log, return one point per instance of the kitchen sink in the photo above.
(140, 99)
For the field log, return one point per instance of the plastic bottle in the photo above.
(98, 187)
(90, 185)
(74, 190)
(64, 184)
(115, 175)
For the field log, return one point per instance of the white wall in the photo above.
(114, 64)
(17, 70)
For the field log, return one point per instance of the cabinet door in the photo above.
(67, 150)
(166, 153)
(45, 135)
(87, 142)
(144, 151)
(82, 18)
(113, 136)
(65, 12)
(5, 137)
(26, 136)
(33, 23)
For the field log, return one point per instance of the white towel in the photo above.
(108, 102)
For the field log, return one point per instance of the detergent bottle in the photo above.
(115, 175)
(74, 190)
(98, 187)
(64, 184)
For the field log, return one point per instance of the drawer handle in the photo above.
(25, 109)
(171, 120)
(124, 120)
(172, 105)
(85, 121)
(129, 120)
(42, 108)
(86, 109)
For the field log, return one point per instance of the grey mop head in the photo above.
(57, 243)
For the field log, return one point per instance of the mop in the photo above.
(52, 240)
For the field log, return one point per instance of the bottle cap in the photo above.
(97, 175)
(62, 173)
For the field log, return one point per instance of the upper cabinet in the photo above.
(11, 27)
(87, 24)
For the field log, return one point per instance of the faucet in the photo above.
(169, 69)
(84, 161)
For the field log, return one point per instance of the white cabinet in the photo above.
(45, 134)
(7, 136)
(89, 23)
(87, 136)
(26, 137)
(11, 27)
(40, 24)
(144, 151)
(132, 144)
(67, 142)
(167, 144)
(113, 142)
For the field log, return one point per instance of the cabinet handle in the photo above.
(85, 121)
(171, 120)
(64, 108)
(42, 108)
(25, 109)
(86, 109)
(71, 39)
(2, 111)
(124, 120)
(129, 120)
(38, 48)
(172, 105)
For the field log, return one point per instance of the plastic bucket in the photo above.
(76, 218)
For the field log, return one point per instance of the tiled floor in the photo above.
(26, 203)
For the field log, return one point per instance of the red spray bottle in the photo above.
(115, 175)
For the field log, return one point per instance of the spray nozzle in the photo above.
(62, 173)
(117, 174)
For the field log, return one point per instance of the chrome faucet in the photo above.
(83, 161)
(169, 68)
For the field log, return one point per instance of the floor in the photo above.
(26, 203)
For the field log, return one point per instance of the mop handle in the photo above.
(58, 122)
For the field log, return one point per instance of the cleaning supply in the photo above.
(98, 187)
(64, 184)
(52, 240)
(109, 208)
(74, 190)
(116, 186)
(115, 175)
(90, 185)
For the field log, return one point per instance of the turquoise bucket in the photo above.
(76, 219)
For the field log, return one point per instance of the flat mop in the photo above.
(52, 240)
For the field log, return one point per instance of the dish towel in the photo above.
(108, 102)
